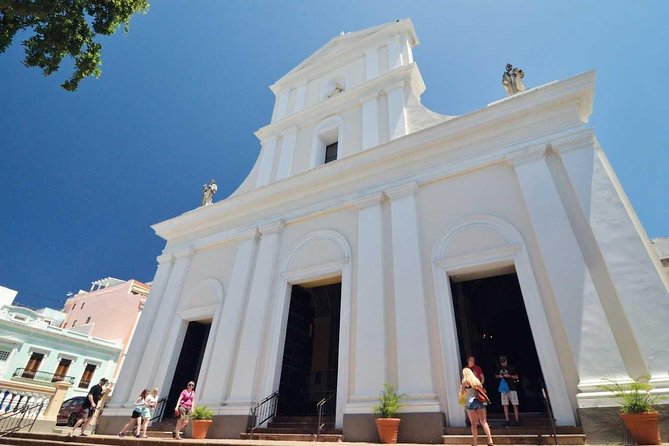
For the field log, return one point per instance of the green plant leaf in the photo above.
(634, 397)
(389, 402)
(202, 413)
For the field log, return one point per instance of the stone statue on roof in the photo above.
(512, 80)
(208, 191)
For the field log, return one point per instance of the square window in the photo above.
(4, 355)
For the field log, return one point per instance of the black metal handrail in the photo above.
(263, 411)
(547, 403)
(20, 417)
(41, 376)
(159, 410)
(322, 410)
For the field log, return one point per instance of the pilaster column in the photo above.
(394, 52)
(407, 54)
(371, 64)
(219, 374)
(286, 155)
(282, 104)
(413, 354)
(159, 296)
(301, 95)
(162, 348)
(370, 121)
(570, 280)
(266, 161)
(397, 125)
(246, 373)
(617, 243)
(370, 338)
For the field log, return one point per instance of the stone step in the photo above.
(301, 419)
(159, 434)
(330, 438)
(541, 439)
(294, 430)
(274, 424)
(34, 442)
(516, 430)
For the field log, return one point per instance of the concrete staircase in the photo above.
(533, 429)
(295, 429)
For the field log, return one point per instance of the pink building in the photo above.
(110, 310)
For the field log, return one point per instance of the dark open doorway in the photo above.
(491, 320)
(310, 354)
(190, 360)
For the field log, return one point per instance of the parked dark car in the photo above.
(70, 411)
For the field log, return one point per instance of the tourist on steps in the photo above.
(150, 403)
(185, 405)
(476, 410)
(136, 417)
(89, 406)
(508, 383)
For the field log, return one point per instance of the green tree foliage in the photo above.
(60, 28)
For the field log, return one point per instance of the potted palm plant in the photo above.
(387, 422)
(638, 409)
(201, 417)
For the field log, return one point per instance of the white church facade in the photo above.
(376, 242)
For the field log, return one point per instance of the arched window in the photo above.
(327, 141)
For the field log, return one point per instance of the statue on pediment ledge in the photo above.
(512, 80)
(208, 191)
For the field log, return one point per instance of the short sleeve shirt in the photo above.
(96, 391)
(478, 372)
(508, 370)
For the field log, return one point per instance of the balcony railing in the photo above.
(41, 376)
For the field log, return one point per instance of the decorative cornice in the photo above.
(369, 200)
(395, 85)
(292, 129)
(247, 234)
(272, 228)
(336, 104)
(576, 140)
(186, 253)
(369, 97)
(165, 257)
(402, 191)
(526, 155)
(480, 138)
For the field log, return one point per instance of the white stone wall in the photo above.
(520, 184)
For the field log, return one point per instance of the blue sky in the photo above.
(84, 175)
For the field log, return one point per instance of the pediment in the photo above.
(343, 44)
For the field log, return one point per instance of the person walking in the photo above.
(150, 403)
(89, 406)
(185, 405)
(508, 384)
(476, 410)
(136, 416)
